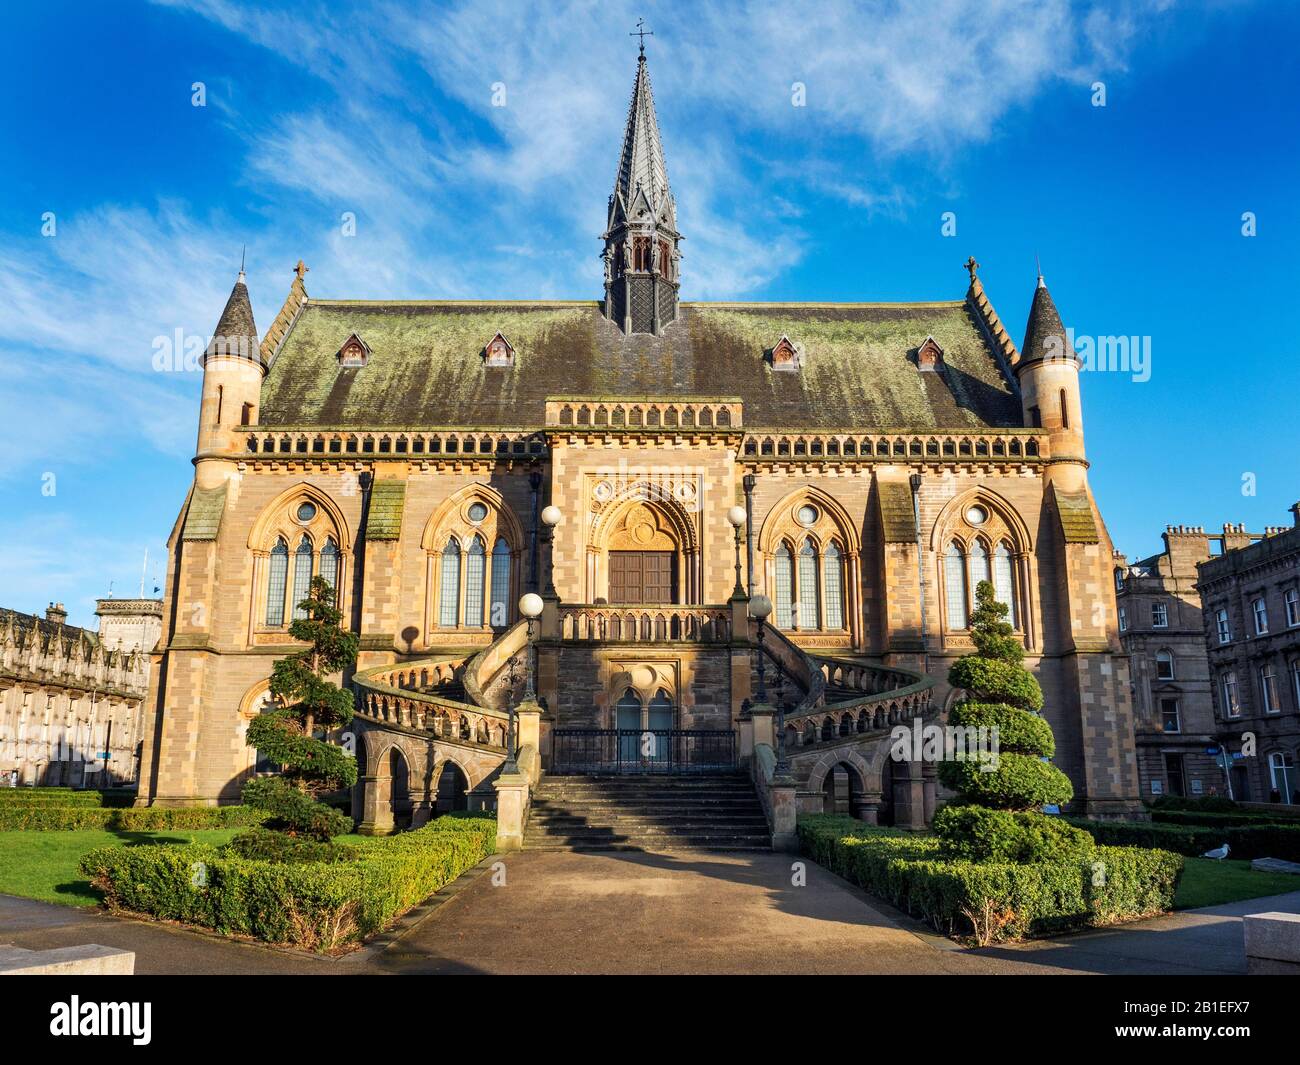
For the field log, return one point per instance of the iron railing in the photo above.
(651, 750)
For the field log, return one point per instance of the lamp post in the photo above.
(736, 516)
(760, 607)
(551, 516)
(530, 606)
(748, 482)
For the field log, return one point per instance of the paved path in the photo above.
(559, 912)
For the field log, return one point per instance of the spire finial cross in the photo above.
(641, 32)
(972, 266)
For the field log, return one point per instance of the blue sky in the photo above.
(983, 108)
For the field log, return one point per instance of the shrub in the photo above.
(1204, 803)
(993, 681)
(46, 818)
(1020, 782)
(315, 905)
(1018, 730)
(994, 900)
(266, 846)
(293, 810)
(1210, 819)
(1244, 841)
(975, 834)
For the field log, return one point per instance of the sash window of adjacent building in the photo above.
(1231, 707)
(1260, 609)
(1164, 665)
(1268, 689)
(1123, 620)
(1292, 600)
(1224, 629)
(1159, 615)
(1295, 681)
(1282, 773)
(1169, 715)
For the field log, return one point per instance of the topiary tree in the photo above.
(307, 701)
(997, 813)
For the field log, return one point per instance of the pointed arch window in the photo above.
(475, 565)
(1003, 584)
(809, 614)
(302, 566)
(449, 585)
(833, 587)
(954, 571)
(500, 606)
(277, 577)
(329, 565)
(784, 587)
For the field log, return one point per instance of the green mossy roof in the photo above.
(426, 367)
(384, 516)
(1077, 523)
(203, 516)
(897, 514)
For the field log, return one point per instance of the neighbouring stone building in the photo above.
(888, 456)
(1250, 595)
(71, 700)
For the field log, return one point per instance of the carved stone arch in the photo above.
(776, 522)
(651, 495)
(443, 519)
(274, 519)
(852, 759)
(950, 522)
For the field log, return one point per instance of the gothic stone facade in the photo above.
(1251, 607)
(71, 701)
(405, 449)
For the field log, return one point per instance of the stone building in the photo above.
(888, 457)
(71, 700)
(1160, 627)
(1250, 598)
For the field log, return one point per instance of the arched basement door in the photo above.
(453, 789)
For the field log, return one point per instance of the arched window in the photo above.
(809, 614)
(275, 585)
(329, 565)
(1164, 665)
(302, 560)
(979, 564)
(833, 587)
(661, 712)
(500, 608)
(449, 585)
(1004, 586)
(475, 565)
(954, 571)
(784, 587)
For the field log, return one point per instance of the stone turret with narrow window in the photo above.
(642, 260)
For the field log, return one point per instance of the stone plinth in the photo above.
(88, 960)
(1272, 943)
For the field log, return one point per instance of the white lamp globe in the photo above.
(736, 515)
(530, 605)
(760, 606)
(551, 515)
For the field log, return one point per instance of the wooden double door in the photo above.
(642, 576)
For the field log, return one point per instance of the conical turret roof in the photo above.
(236, 332)
(1045, 336)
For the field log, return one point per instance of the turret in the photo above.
(1048, 374)
(232, 383)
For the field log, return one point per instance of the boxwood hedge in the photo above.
(1244, 841)
(44, 817)
(994, 901)
(314, 905)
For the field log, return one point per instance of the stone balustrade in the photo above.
(1002, 446)
(431, 445)
(644, 624)
(390, 695)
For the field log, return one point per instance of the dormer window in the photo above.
(354, 352)
(929, 356)
(785, 356)
(498, 352)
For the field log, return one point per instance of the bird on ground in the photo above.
(1218, 854)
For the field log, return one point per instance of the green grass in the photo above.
(1210, 883)
(43, 865)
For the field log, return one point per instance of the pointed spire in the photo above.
(236, 332)
(641, 162)
(1045, 336)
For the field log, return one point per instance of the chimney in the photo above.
(1295, 514)
(55, 614)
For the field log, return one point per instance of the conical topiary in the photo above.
(996, 813)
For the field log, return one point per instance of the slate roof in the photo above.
(203, 515)
(1044, 334)
(236, 332)
(897, 513)
(426, 369)
(1077, 523)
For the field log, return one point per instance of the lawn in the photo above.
(1210, 883)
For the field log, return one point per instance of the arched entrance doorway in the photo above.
(453, 789)
(643, 546)
(841, 790)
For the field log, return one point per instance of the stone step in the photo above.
(643, 824)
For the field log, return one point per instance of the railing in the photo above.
(388, 695)
(645, 623)
(608, 750)
(482, 668)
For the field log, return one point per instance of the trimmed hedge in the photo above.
(43, 817)
(1244, 841)
(994, 901)
(313, 905)
(977, 834)
(63, 797)
(1020, 782)
(1219, 820)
